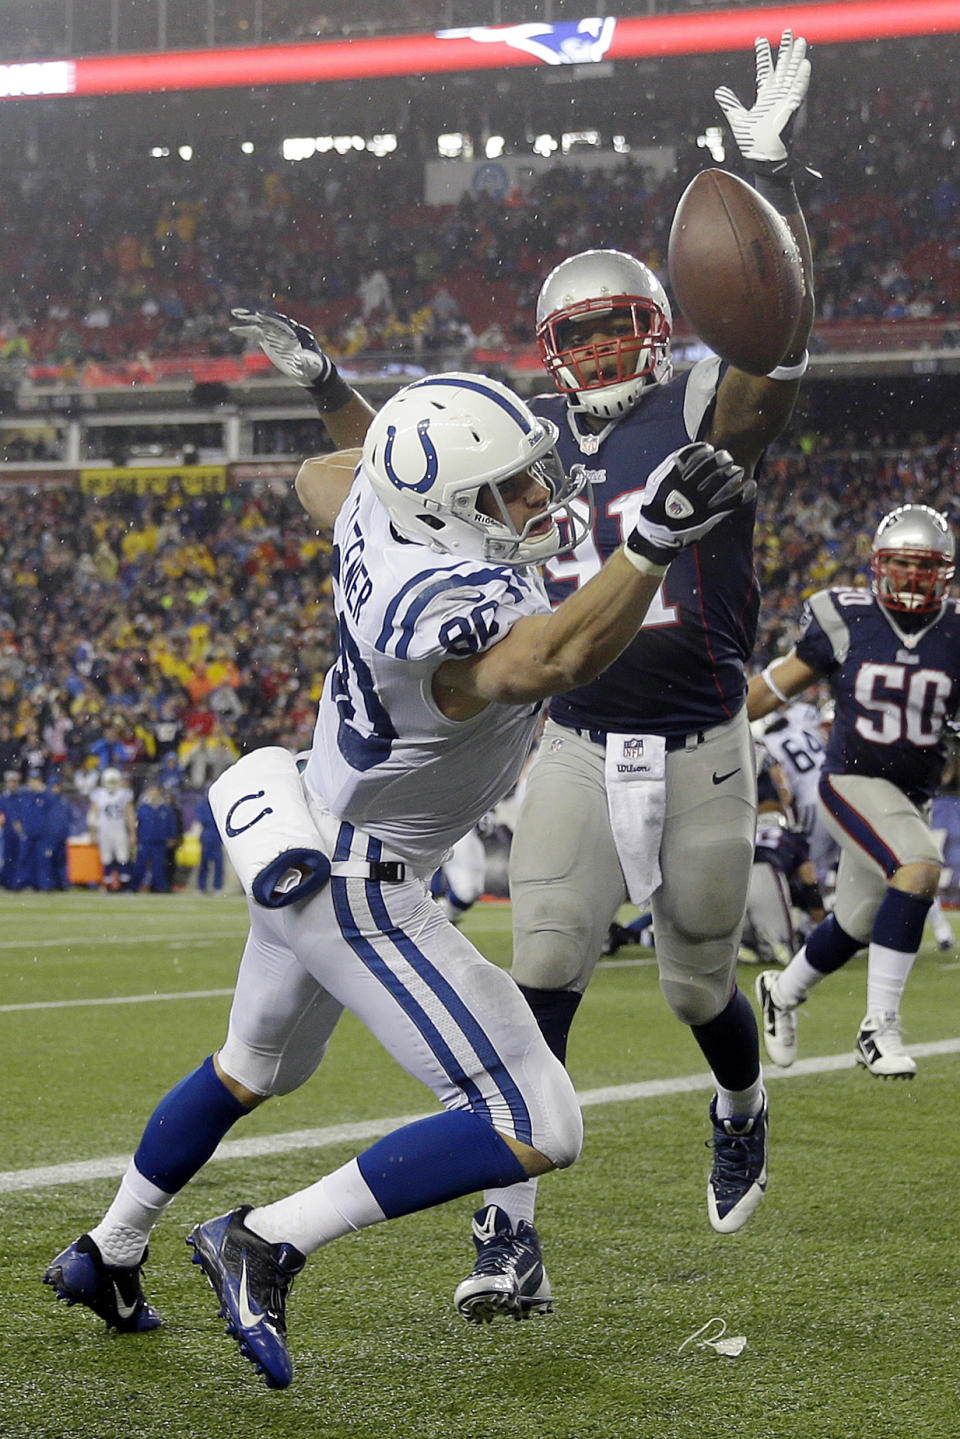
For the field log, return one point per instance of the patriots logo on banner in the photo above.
(570, 42)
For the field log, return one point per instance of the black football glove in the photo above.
(685, 496)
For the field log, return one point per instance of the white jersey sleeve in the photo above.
(384, 757)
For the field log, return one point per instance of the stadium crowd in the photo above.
(166, 633)
(347, 242)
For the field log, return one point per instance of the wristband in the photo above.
(643, 564)
(777, 187)
(332, 393)
(772, 685)
(810, 895)
(791, 372)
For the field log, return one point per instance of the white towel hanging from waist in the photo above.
(635, 773)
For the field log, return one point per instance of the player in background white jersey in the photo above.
(460, 879)
(112, 822)
(447, 647)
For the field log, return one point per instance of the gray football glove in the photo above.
(684, 498)
(288, 345)
(781, 90)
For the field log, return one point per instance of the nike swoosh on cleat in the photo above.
(719, 778)
(486, 1231)
(125, 1311)
(248, 1317)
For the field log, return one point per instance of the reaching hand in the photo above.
(685, 496)
(781, 90)
(290, 346)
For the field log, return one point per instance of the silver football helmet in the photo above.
(607, 372)
(913, 559)
(436, 444)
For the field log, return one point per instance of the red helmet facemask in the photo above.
(911, 581)
(595, 365)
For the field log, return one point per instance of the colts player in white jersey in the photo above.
(891, 655)
(447, 647)
(796, 738)
(112, 822)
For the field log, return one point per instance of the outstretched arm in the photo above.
(751, 411)
(779, 683)
(294, 350)
(684, 499)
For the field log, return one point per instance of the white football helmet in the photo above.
(437, 443)
(111, 778)
(606, 378)
(913, 559)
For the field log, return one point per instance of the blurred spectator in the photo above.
(210, 870)
(59, 826)
(156, 828)
(11, 808)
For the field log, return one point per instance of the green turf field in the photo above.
(845, 1282)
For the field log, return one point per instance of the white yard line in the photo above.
(116, 999)
(112, 1166)
(69, 941)
(194, 993)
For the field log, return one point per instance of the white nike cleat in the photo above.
(880, 1048)
(778, 1022)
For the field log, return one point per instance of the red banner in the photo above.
(573, 42)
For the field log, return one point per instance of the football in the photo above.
(735, 271)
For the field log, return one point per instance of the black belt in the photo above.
(674, 741)
(388, 871)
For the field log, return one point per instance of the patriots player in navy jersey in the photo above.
(644, 782)
(891, 654)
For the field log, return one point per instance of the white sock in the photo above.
(941, 926)
(793, 984)
(122, 1234)
(336, 1205)
(887, 974)
(740, 1103)
(519, 1201)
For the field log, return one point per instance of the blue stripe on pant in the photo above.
(466, 1021)
(858, 828)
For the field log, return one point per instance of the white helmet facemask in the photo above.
(438, 444)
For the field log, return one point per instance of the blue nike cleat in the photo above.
(738, 1177)
(251, 1278)
(79, 1276)
(508, 1277)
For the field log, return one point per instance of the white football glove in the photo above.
(684, 498)
(781, 90)
(290, 346)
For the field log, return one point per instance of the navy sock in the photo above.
(186, 1127)
(436, 1159)
(553, 1009)
(900, 920)
(828, 947)
(731, 1044)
